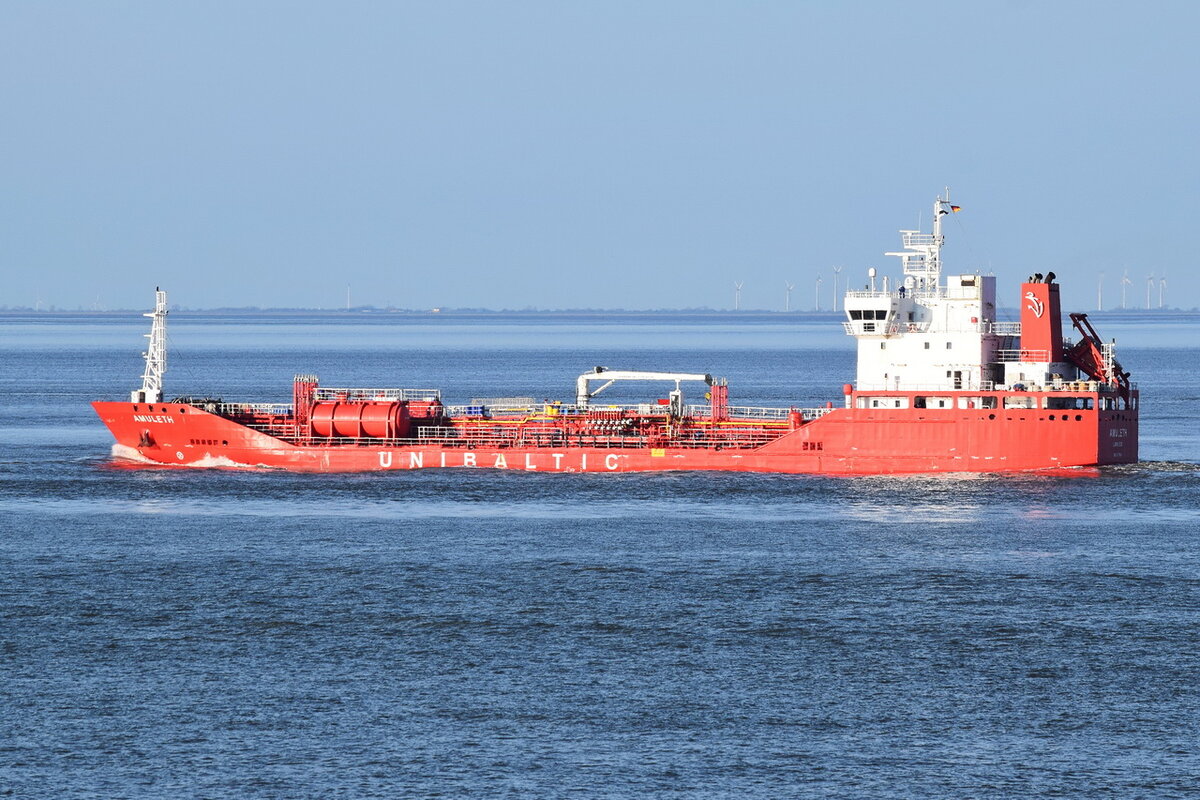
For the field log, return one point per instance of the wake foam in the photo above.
(124, 453)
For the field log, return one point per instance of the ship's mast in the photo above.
(922, 254)
(156, 353)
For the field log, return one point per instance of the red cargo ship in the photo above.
(942, 386)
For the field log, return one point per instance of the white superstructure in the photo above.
(926, 333)
(929, 333)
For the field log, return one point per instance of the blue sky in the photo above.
(571, 154)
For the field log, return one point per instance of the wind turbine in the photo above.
(1125, 282)
(836, 271)
(817, 300)
(1100, 293)
(787, 303)
(1149, 286)
(1162, 287)
(737, 295)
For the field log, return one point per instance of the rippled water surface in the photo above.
(206, 633)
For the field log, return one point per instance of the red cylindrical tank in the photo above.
(384, 420)
(355, 420)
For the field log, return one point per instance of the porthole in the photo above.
(1079, 417)
(991, 416)
(1051, 416)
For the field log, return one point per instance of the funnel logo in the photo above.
(1035, 305)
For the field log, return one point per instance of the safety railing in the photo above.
(1000, 328)
(332, 393)
(693, 411)
(753, 412)
(494, 438)
(907, 327)
(514, 402)
(990, 386)
(257, 409)
(914, 239)
(1037, 356)
(500, 438)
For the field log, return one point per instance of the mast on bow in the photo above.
(156, 353)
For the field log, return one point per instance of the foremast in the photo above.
(156, 353)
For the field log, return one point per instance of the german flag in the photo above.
(956, 209)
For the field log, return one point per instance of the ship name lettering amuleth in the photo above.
(942, 385)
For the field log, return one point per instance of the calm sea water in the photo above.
(168, 633)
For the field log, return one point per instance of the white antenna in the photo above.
(156, 353)
(787, 303)
(1162, 287)
(871, 274)
(1100, 292)
(817, 297)
(737, 295)
(836, 271)
(1125, 283)
(1149, 286)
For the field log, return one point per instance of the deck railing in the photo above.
(499, 438)
(333, 393)
(258, 409)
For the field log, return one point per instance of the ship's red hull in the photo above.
(843, 441)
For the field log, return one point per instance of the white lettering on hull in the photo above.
(556, 462)
(153, 418)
